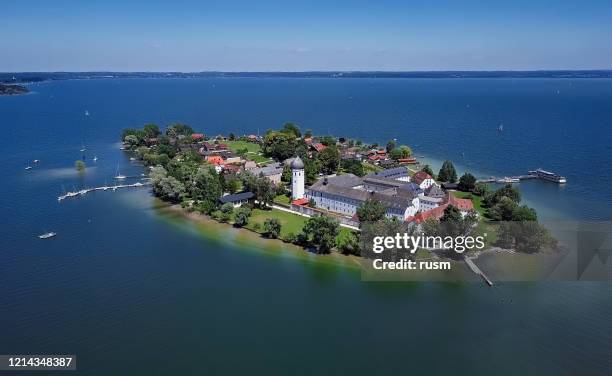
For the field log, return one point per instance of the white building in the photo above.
(423, 179)
(297, 178)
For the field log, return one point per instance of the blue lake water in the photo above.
(131, 291)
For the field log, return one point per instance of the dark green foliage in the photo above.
(467, 182)
(428, 170)
(349, 245)
(329, 159)
(320, 232)
(391, 146)
(371, 211)
(242, 216)
(352, 166)
(293, 129)
(447, 172)
(272, 228)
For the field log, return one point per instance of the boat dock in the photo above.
(517, 177)
(477, 270)
(83, 192)
(535, 174)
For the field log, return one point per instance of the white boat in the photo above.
(36, 161)
(500, 128)
(507, 180)
(95, 158)
(47, 235)
(550, 176)
(132, 159)
(28, 168)
(86, 113)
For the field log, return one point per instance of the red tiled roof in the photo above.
(419, 177)
(197, 136)
(435, 213)
(214, 159)
(463, 204)
(300, 202)
(319, 147)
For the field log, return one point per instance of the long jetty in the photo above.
(477, 270)
(83, 192)
(519, 177)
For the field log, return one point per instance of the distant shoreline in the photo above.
(31, 77)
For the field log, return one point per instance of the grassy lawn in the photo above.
(485, 226)
(250, 146)
(290, 223)
(253, 151)
(282, 199)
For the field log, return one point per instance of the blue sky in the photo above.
(264, 35)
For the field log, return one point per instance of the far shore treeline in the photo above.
(183, 173)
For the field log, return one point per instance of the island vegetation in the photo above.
(199, 173)
(6, 89)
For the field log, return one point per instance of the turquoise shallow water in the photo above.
(131, 291)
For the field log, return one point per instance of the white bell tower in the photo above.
(297, 178)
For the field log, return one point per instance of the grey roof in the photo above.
(236, 197)
(391, 173)
(389, 201)
(383, 182)
(273, 169)
(435, 192)
(344, 180)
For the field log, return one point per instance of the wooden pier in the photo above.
(477, 270)
(493, 179)
(83, 192)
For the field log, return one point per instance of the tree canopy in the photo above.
(447, 172)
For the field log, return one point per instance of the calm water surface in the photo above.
(132, 290)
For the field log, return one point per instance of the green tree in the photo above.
(232, 137)
(371, 211)
(312, 167)
(293, 129)
(308, 133)
(391, 144)
(279, 145)
(352, 166)
(503, 210)
(232, 185)
(329, 159)
(480, 188)
(179, 129)
(151, 130)
(447, 172)
(206, 186)
(166, 187)
(467, 182)
(428, 170)
(272, 228)
(79, 165)
(312, 203)
(320, 232)
(131, 140)
(265, 191)
(349, 244)
(287, 174)
(242, 216)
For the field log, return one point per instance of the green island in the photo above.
(329, 194)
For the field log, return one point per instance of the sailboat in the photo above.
(28, 167)
(86, 113)
(95, 158)
(83, 149)
(119, 176)
(500, 128)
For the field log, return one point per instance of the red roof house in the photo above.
(197, 136)
(215, 159)
(419, 177)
